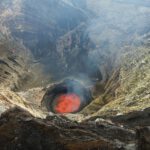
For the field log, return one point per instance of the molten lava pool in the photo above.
(67, 103)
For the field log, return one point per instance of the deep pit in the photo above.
(68, 96)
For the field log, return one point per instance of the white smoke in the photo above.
(116, 23)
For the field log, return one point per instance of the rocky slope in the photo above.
(13, 63)
(58, 132)
(128, 88)
(39, 27)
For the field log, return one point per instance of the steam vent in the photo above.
(74, 74)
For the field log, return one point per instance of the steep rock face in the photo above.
(39, 27)
(128, 87)
(63, 45)
(18, 68)
(133, 92)
(42, 34)
(13, 63)
(73, 51)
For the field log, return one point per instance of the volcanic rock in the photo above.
(19, 130)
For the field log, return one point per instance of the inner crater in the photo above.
(68, 96)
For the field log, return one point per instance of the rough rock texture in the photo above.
(9, 99)
(57, 132)
(39, 32)
(133, 90)
(17, 68)
(13, 63)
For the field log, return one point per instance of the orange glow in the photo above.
(67, 103)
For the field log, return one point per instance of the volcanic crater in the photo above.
(74, 75)
(69, 96)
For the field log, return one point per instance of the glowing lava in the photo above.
(67, 103)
